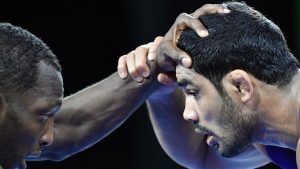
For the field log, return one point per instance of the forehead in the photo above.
(189, 76)
(49, 80)
(48, 90)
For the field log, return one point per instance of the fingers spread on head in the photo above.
(122, 67)
(188, 21)
(153, 47)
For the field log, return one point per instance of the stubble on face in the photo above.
(238, 128)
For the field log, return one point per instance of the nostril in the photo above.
(193, 121)
(190, 116)
(44, 143)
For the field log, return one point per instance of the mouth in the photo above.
(211, 138)
(203, 130)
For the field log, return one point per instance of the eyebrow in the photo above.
(49, 107)
(58, 103)
(183, 82)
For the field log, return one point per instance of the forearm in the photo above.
(175, 135)
(89, 115)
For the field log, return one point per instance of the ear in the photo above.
(3, 108)
(242, 82)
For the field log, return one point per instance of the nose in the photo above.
(189, 113)
(190, 116)
(47, 137)
(190, 110)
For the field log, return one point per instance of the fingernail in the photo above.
(123, 74)
(161, 79)
(226, 10)
(139, 79)
(185, 62)
(203, 33)
(151, 56)
(146, 73)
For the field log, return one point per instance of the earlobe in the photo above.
(241, 80)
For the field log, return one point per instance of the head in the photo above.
(241, 46)
(31, 91)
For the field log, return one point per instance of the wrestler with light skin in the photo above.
(27, 110)
(276, 108)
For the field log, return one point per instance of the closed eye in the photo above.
(191, 92)
(45, 116)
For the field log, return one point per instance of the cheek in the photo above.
(31, 131)
(210, 110)
(209, 116)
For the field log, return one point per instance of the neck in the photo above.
(280, 117)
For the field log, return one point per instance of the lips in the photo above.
(211, 140)
(202, 130)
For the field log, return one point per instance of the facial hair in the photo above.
(238, 128)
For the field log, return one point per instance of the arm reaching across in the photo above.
(94, 112)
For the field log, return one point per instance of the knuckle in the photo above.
(181, 16)
(158, 39)
(120, 60)
(147, 46)
(220, 7)
(140, 68)
(130, 55)
(206, 6)
(133, 72)
(142, 48)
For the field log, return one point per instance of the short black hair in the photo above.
(20, 53)
(242, 39)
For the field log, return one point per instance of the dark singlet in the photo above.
(283, 157)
